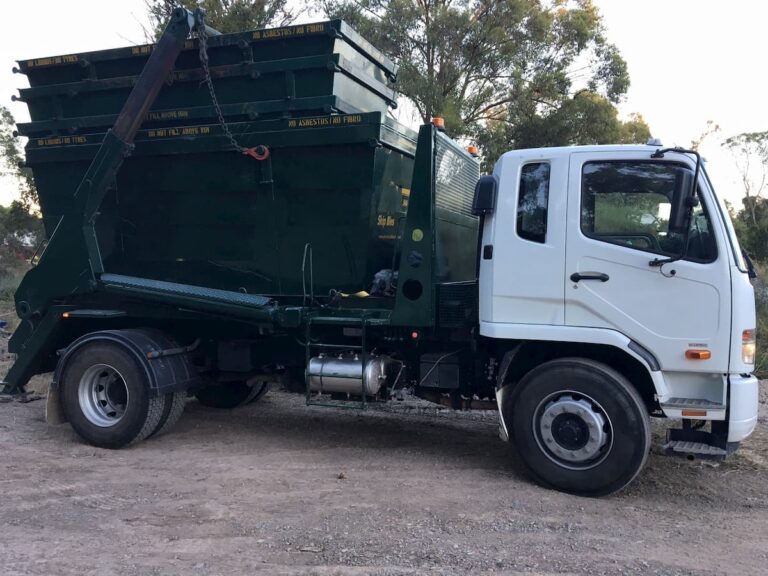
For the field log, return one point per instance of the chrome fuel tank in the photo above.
(345, 374)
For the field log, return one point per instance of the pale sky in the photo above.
(689, 61)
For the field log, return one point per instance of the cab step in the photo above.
(691, 442)
(696, 449)
(691, 404)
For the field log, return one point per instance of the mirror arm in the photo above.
(751, 272)
(659, 262)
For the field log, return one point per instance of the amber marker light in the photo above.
(472, 150)
(748, 346)
(698, 354)
(438, 123)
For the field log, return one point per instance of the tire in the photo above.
(174, 407)
(258, 390)
(579, 426)
(105, 395)
(231, 394)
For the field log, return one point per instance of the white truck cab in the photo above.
(579, 250)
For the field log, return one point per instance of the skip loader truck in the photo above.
(226, 211)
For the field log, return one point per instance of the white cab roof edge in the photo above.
(558, 151)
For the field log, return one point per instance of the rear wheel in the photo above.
(580, 426)
(231, 394)
(174, 407)
(106, 396)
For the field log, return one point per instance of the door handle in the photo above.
(576, 276)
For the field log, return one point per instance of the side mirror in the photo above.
(484, 201)
(683, 200)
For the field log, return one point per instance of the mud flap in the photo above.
(54, 415)
(501, 394)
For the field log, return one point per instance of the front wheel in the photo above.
(580, 426)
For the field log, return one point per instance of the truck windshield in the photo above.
(722, 209)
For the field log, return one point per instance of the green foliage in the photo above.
(20, 227)
(750, 152)
(226, 15)
(12, 159)
(634, 131)
(761, 360)
(585, 118)
(761, 300)
(498, 70)
(752, 228)
(20, 232)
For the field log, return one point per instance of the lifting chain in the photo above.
(260, 152)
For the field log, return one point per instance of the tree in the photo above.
(483, 64)
(750, 152)
(12, 160)
(634, 131)
(20, 232)
(20, 226)
(585, 118)
(226, 15)
(710, 130)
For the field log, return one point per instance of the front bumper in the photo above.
(743, 404)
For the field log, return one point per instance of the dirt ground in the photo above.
(281, 488)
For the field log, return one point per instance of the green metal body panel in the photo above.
(186, 209)
(169, 227)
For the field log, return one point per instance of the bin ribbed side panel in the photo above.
(455, 177)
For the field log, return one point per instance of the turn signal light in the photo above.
(438, 123)
(748, 346)
(698, 354)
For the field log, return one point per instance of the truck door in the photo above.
(618, 211)
(523, 252)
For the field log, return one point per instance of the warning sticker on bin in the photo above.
(59, 141)
(51, 61)
(288, 31)
(325, 121)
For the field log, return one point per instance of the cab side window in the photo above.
(532, 202)
(628, 203)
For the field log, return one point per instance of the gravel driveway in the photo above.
(280, 488)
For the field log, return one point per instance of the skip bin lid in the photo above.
(256, 41)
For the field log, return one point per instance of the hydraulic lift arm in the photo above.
(71, 262)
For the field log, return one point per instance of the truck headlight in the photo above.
(748, 346)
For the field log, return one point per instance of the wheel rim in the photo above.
(103, 395)
(573, 430)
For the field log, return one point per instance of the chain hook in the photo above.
(259, 152)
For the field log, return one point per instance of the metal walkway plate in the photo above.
(185, 290)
